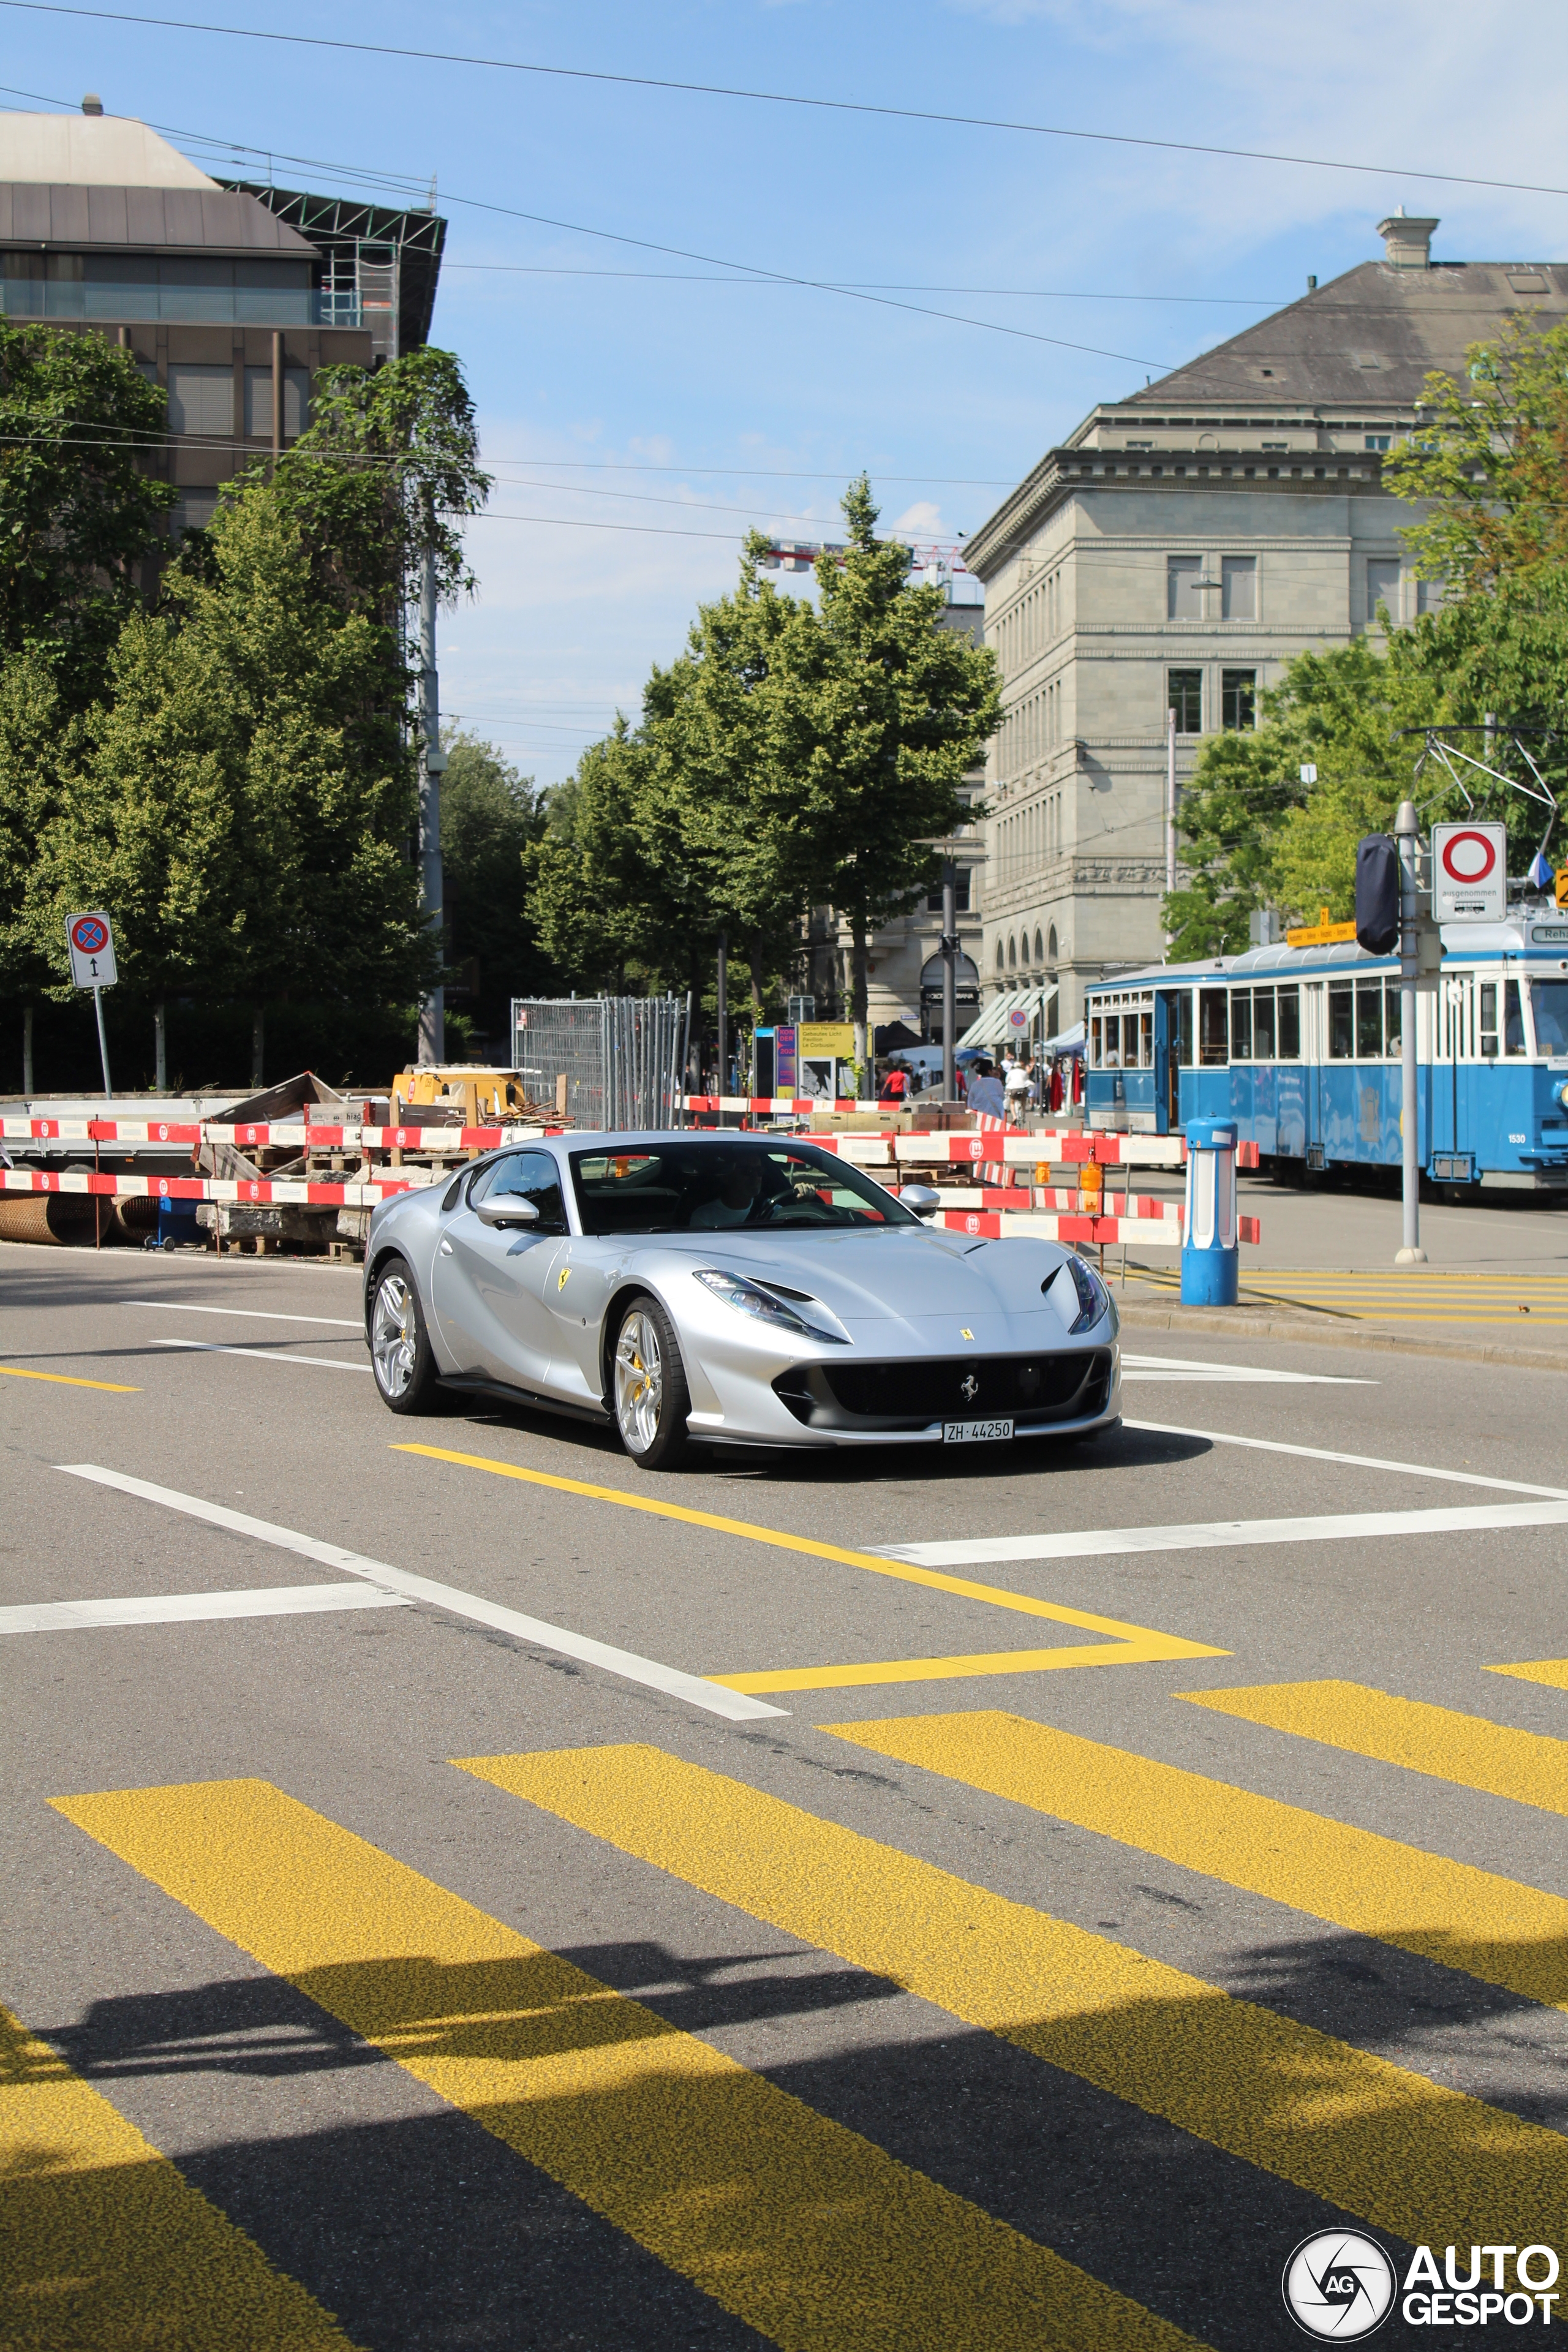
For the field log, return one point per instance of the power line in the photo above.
(872, 284)
(775, 98)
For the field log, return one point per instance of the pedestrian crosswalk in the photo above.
(804, 2229)
(104, 2242)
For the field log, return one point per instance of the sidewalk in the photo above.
(1495, 1288)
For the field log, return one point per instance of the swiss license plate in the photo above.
(974, 1433)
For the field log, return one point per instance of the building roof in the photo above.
(342, 227)
(85, 179)
(1368, 338)
(93, 151)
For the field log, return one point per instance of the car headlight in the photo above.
(1093, 1298)
(753, 1298)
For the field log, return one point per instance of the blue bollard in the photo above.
(1210, 1259)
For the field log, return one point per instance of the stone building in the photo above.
(1172, 554)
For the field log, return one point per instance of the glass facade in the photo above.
(187, 289)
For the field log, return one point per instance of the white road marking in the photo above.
(1177, 1368)
(734, 1705)
(1356, 1461)
(261, 1355)
(254, 1314)
(187, 1608)
(1208, 1535)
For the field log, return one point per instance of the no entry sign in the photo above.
(1470, 873)
(91, 943)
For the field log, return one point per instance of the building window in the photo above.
(1051, 947)
(1373, 441)
(1382, 585)
(1183, 601)
(1000, 957)
(1238, 587)
(1239, 699)
(258, 403)
(959, 894)
(201, 399)
(1040, 954)
(1012, 955)
(1184, 699)
(193, 511)
(1428, 596)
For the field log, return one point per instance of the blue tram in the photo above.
(1301, 1048)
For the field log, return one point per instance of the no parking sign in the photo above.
(91, 940)
(1470, 872)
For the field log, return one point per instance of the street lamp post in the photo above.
(953, 854)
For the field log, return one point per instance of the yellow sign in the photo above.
(1321, 934)
(1562, 886)
(816, 1038)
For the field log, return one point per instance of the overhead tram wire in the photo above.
(769, 96)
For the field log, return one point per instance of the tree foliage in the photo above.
(490, 815)
(78, 512)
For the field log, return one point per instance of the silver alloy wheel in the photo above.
(393, 1335)
(639, 1383)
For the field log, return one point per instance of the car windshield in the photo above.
(691, 1186)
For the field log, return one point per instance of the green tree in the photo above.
(599, 904)
(894, 710)
(78, 512)
(490, 815)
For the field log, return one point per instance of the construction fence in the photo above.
(611, 1063)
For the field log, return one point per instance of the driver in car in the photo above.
(742, 1186)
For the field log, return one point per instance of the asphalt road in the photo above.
(388, 1970)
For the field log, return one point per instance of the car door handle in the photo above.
(446, 1249)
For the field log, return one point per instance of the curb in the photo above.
(1228, 1323)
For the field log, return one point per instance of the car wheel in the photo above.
(652, 1400)
(400, 1351)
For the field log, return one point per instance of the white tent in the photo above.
(996, 1026)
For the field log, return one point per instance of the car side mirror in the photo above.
(507, 1212)
(924, 1199)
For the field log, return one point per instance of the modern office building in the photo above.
(1172, 554)
(230, 295)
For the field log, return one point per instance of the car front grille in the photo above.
(912, 1393)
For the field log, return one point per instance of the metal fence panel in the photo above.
(609, 1062)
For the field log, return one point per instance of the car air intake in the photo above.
(912, 1393)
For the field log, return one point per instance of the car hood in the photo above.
(939, 1285)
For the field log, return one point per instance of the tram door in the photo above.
(1172, 1053)
(1453, 1065)
(1314, 1049)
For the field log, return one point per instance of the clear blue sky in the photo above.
(705, 407)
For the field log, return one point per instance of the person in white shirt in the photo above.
(1020, 1087)
(986, 1090)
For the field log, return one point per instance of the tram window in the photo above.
(1369, 1020)
(1512, 1019)
(1145, 1041)
(1214, 1035)
(1548, 1003)
(1341, 1021)
(1263, 1025)
(1096, 1060)
(1289, 1037)
(1488, 1020)
(1241, 1025)
(1391, 1023)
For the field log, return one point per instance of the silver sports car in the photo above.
(748, 1289)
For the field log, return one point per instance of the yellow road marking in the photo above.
(106, 2243)
(1494, 1928)
(1127, 1637)
(1404, 2152)
(801, 2227)
(1140, 1649)
(1464, 1748)
(1552, 1672)
(68, 1381)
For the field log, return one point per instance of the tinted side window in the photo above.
(1341, 1021)
(533, 1176)
(1289, 1000)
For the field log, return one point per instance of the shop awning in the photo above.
(995, 1024)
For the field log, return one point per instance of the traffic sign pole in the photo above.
(1405, 831)
(102, 1040)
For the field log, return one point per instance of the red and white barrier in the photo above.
(283, 1190)
(1148, 1233)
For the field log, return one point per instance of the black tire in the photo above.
(400, 1353)
(649, 1396)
